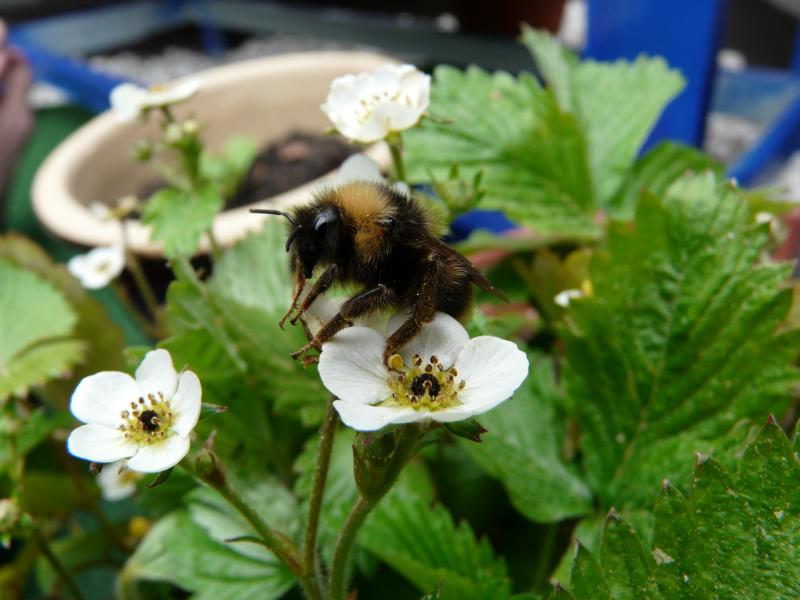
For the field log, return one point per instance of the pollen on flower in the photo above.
(149, 419)
(427, 386)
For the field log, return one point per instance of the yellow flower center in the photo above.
(148, 420)
(422, 386)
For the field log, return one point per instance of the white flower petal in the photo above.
(492, 368)
(126, 101)
(156, 374)
(396, 117)
(359, 167)
(98, 267)
(444, 337)
(564, 297)
(117, 482)
(351, 366)
(99, 444)
(186, 403)
(371, 131)
(416, 86)
(363, 417)
(160, 456)
(100, 398)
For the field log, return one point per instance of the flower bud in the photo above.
(142, 150)
(173, 134)
(191, 127)
(209, 468)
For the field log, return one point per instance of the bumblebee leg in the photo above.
(367, 301)
(299, 284)
(424, 310)
(313, 344)
(364, 302)
(321, 285)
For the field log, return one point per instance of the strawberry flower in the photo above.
(98, 267)
(369, 106)
(129, 101)
(441, 375)
(146, 421)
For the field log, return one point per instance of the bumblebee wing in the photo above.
(474, 275)
(479, 279)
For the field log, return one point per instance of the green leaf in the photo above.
(228, 328)
(76, 551)
(550, 158)
(533, 155)
(626, 565)
(27, 433)
(679, 342)
(523, 449)
(559, 593)
(585, 576)
(735, 536)
(229, 169)
(427, 546)
(616, 104)
(103, 337)
(179, 218)
(188, 548)
(36, 325)
(655, 172)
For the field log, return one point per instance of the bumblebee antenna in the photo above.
(269, 211)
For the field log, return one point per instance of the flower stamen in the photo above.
(429, 386)
(149, 420)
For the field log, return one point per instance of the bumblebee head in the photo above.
(313, 235)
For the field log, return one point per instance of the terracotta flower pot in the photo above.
(263, 99)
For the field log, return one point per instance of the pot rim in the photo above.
(65, 216)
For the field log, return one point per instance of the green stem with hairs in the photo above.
(395, 142)
(216, 249)
(280, 545)
(404, 450)
(327, 435)
(140, 280)
(58, 566)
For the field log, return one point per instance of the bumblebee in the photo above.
(375, 236)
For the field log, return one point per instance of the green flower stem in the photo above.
(168, 116)
(183, 270)
(344, 545)
(406, 446)
(547, 547)
(90, 499)
(216, 249)
(58, 566)
(327, 435)
(284, 549)
(395, 142)
(282, 546)
(139, 279)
